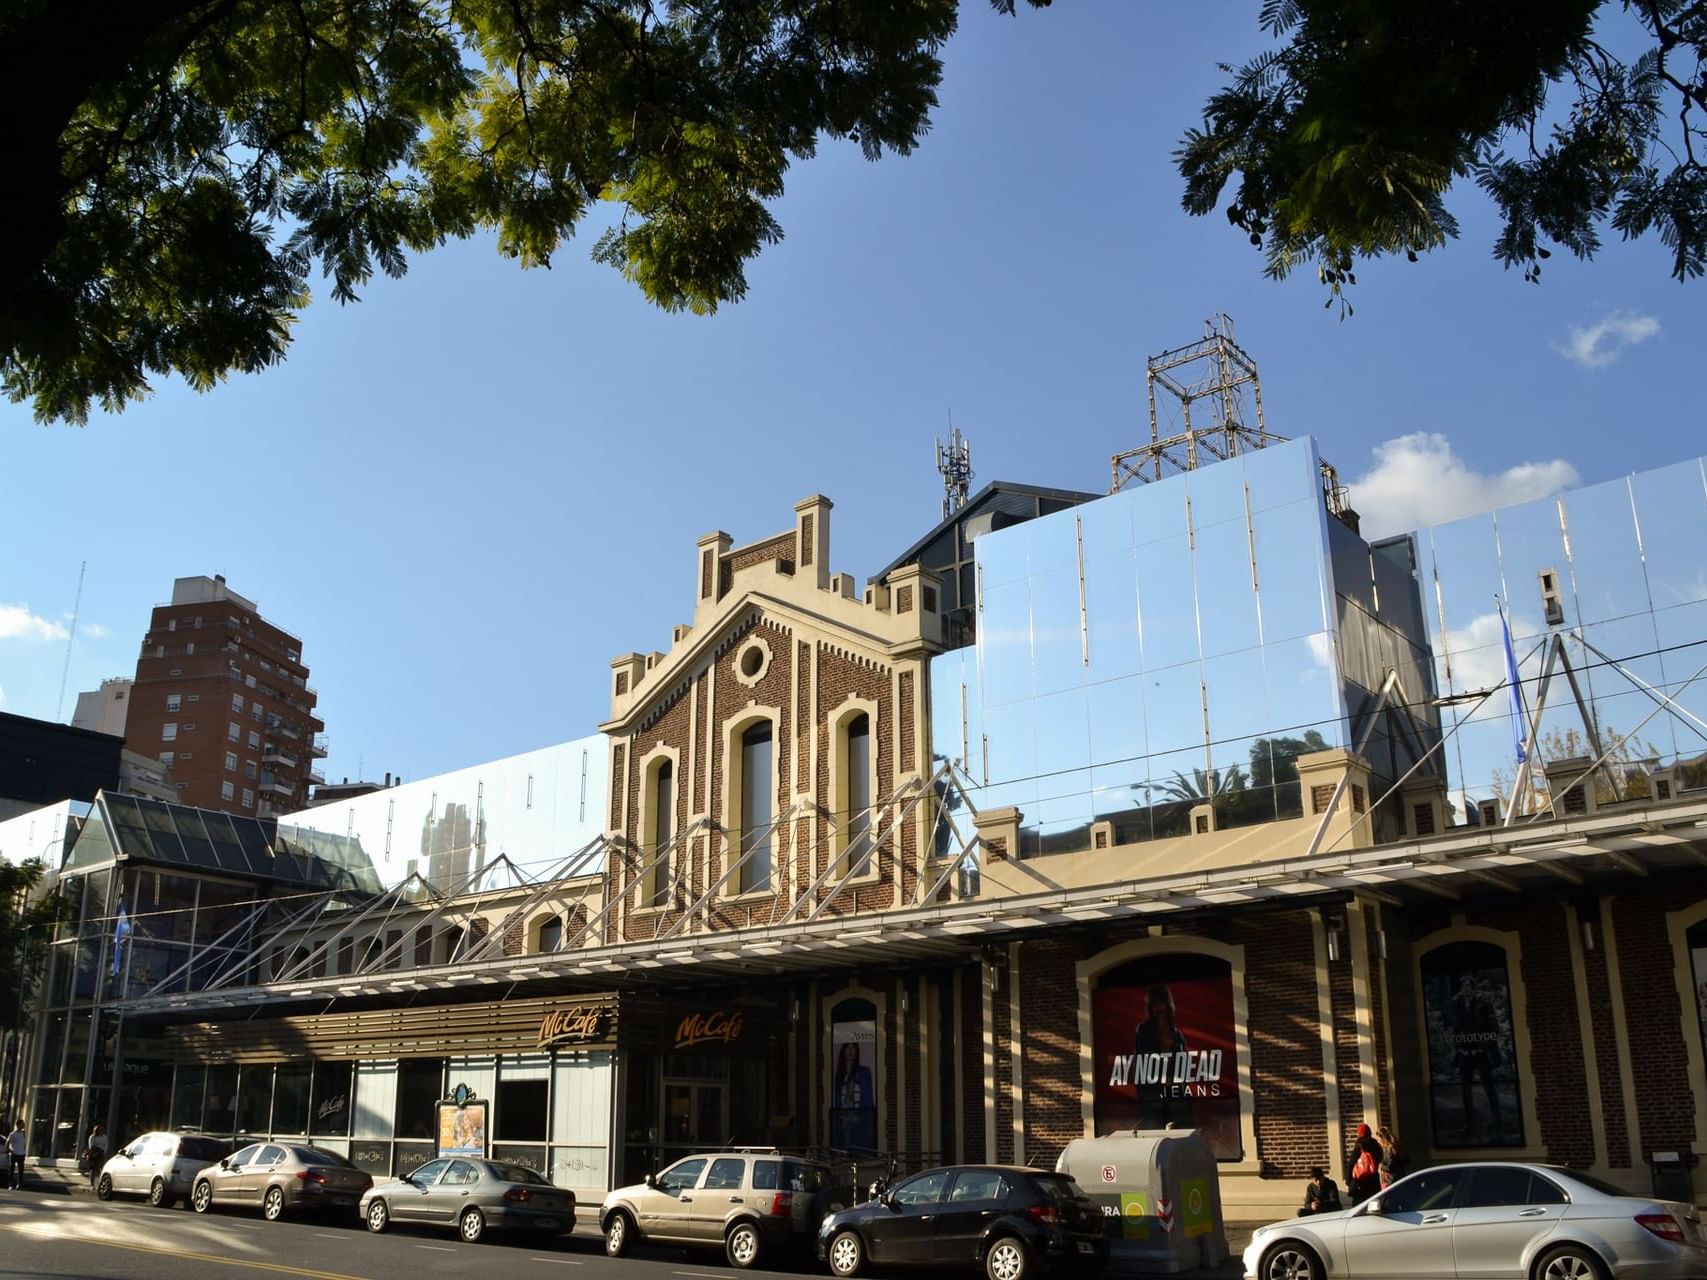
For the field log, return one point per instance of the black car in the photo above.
(1009, 1221)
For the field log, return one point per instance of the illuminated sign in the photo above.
(581, 1022)
(704, 1028)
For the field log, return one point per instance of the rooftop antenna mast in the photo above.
(70, 641)
(955, 463)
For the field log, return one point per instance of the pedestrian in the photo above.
(1321, 1194)
(15, 1146)
(95, 1152)
(1395, 1164)
(1363, 1166)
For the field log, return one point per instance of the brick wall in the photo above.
(842, 675)
(1281, 996)
(1049, 1014)
(1665, 1103)
(973, 1038)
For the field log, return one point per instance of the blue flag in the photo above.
(1519, 721)
(121, 935)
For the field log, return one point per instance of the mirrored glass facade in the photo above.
(1180, 643)
(536, 809)
(1617, 573)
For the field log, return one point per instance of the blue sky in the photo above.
(470, 492)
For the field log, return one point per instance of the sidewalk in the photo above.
(61, 1178)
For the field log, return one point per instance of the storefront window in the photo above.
(1166, 1048)
(187, 1096)
(521, 1110)
(290, 1099)
(254, 1099)
(1472, 1052)
(331, 1100)
(420, 1085)
(221, 1098)
(853, 1087)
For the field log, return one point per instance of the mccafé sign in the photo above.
(580, 1022)
(705, 1028)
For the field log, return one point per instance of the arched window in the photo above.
(551, 934)
(1472, 1050)
(756, 808)
(663, 809)
(856, 757)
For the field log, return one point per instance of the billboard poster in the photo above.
(1165, 1049)
(1472, 1052)
(462, 1128)
(853, 1093)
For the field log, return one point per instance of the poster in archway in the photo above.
(1472, 1051)
(1165, 1049)
(853, 1090)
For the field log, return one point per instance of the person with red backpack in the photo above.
(1363, 1166)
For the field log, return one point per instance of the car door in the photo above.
(227, 1180)
(409, 1196)
(905, 1230)
(1503, 1208)
(259, 1174)
(445, 1198)
(121, 1167)
(976, 1197)
(721, 1193)
(663, 1208)
(1405, 1233)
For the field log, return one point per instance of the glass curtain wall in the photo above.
(1168, 646)
(1615, 574)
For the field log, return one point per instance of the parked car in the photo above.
(1009, 1221)
(748, 1203)
(474, 1196)
(161, 1165)
(280, 1176)
(1525, 1221)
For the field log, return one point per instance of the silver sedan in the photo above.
(474, 1196)
(1494, 1221)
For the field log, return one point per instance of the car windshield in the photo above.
(314, 1155)
(518, 1173)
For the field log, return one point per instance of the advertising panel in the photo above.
(1165, 1049)
(1472, 1053)
(462, 1128)
(853, 1093)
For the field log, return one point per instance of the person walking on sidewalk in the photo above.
(15, 1150)
(1363, 1166)
(95, 1152)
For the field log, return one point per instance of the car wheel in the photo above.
(158, 1195)
(1570, 1262)
(1290, 1260)
(201, 1197)
(619, 1234)
(103, 1188)
(743, 1245)
(472, 1225)
(1006, 1259)
(847, 1254)
(272, 1204)
(378, 1216)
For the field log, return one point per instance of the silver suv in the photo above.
(162, 1166)
(748, 1202)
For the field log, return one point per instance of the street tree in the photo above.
(1342, 142)
(178, 169)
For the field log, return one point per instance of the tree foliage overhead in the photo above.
(180, 168)
(1343, 141)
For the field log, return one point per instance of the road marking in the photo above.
(214, 1257)
(331, 1235)
(437, 1248)
(562, 1262)
(709, 1275)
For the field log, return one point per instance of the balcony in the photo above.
(289, 730)
(277, 755)
(316, 777)
(320, 747)
(278, 787)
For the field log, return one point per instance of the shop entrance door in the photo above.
(696, 1116)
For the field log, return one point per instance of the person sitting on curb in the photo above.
(1321, 1194)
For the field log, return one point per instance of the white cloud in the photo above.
(1601, 344)
(1418, 480)
(95, 631)
(2, 697)
(18, 623)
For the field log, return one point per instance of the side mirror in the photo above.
(1373, 1206)
(225, 1163)
(652, 1181)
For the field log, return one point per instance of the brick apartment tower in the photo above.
(223, 694)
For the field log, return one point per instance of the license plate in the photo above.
(1085, 1246)
(546, 1224)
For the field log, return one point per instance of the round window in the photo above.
(752, 662)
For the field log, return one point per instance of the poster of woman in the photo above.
(1472, 1052)
(462, 1129)
(853, 1094)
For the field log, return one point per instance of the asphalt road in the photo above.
(76, 1237)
